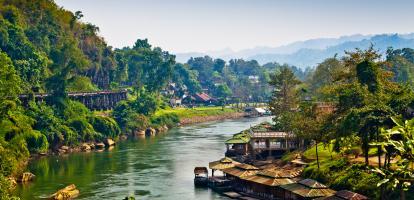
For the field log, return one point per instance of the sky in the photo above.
(182, 26)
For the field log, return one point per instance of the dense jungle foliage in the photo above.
(47, 49)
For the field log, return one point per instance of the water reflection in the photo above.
(158, 167)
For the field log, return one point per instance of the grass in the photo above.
(324, 152)
(195, 112)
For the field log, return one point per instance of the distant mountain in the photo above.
(311, 52)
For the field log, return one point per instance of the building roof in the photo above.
(279, 173)
(346, 195)
(312, 184)
(268, 134)
(223, 163)
(260, 110)
(269, 181)
(241, 170)
(200, 170)
(239, 138)
(307, 192)
(202, 97)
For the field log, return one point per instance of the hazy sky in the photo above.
(196, 25)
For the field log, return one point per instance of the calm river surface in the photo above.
(159, 167)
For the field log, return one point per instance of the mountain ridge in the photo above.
(308, 53)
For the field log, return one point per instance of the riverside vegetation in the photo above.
(44, 48)
(366, 143)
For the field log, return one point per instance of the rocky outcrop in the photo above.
(13, 182)
(109, 142)
(26, 177)
(69, 192)
(139, 133)
(86, 147)
(99, 145)
(150, 132)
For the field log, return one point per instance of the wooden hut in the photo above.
(305, 189)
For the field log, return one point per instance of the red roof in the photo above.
(202, 97)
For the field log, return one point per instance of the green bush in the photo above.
(36, 142)
(339, 174)
(84, 129)
(75, 109)
(169, 119)
(106, 126)
(6, 189)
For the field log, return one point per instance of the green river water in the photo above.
(159, 167)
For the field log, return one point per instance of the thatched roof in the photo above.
(345, 195)
(269, 181)
(309, 188)
(223, 163)
(241, 170)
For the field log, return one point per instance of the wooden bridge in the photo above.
(102, 100)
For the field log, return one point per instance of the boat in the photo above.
(200, 176)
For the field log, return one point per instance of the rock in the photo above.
(13, 182)
(85, 147)
(109, 142)
(92, 145)
(65, 148)
(139, 133)
(26, 177)
(123, 137)
(69, 192)
(150, 132)
(100, 145)
(165, 128)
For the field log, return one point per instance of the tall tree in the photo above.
(284, 98)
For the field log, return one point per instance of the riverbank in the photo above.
(135, 167)
(189, 116)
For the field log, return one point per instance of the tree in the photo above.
(10, 83)
(284, 98)
(399, 139)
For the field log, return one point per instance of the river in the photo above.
(159, 167)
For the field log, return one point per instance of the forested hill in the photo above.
(44, 41)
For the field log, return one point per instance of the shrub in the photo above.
(169, 119)
(106, 126)
(75, 109)
(36, 142)
(84, 128)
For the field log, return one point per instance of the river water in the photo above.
(159, 167)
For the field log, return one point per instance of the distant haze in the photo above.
(232, 25)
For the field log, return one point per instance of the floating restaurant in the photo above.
(240, 180)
